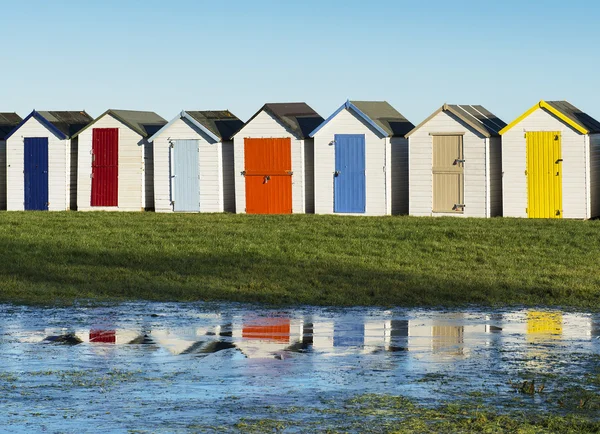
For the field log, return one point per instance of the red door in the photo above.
(105, 167)
(268, 164)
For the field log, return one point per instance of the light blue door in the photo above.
(349, 186)
(185, 178)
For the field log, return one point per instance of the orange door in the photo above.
(268, 164)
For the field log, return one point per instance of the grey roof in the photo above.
(476, 116)
(576, 115)
(67, 122)
(143, 123)
(222, 123)
(8, 121)
(386, 116)
(298, 117)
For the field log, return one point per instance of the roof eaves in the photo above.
(544, 105)
(45, 122)
(91, 123)
(183, 114)
(430, 117)
(349, 106)
(297, 132)
(466, 118)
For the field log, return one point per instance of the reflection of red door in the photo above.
(105, 167)
(103, 336)
(268, 166)
(268, 329)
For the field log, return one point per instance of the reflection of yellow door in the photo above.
(544, 174)
(544, 323)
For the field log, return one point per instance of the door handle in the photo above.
(267, 179)
(337, 173)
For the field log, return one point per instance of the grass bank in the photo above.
(323, 260)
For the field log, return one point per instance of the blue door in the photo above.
(185, 182)
(36, 173)
(349, 190)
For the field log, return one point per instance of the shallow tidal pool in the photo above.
(232, 367)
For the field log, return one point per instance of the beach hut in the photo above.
(8, 122)
(455, 163)
(551, 163)
(361, 160)
(41, 155)
(115, 166)
(193, 162)
(273, 157)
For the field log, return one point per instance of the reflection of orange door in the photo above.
(268, 329)
(268, 171)
(103, 336)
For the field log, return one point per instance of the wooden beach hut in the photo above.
(551, 163)
(455, 163)
(273, 157)
(41, 156)
(115, 165)
(193, 162)
(361, 160)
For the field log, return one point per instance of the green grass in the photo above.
(321, 260)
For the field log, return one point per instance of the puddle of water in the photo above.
(147, 366)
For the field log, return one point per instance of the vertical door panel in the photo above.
(268, 167)
(349, 185)
(36, 173)
(105, 167)
(544, 174)
(448, 174)
(185, 178)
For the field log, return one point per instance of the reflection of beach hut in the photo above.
(193, 162)
(551, 163)
(115, 165)
(8, 122)
(41, 161)
(455, 163)
(361, 160)
(274, 160)
(265, 337)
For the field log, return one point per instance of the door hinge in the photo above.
(244, 173)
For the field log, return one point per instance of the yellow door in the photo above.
(544, 174)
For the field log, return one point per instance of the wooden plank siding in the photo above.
(2, 175)
(266, 126)
(378, 158)
(210, 163)
(574, 185)
(476, 149)
(132, 176)
(594, 175)
(59, 179)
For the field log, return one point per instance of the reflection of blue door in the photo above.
(35, 172)
(349, 192)
(185, 182)
(350, 333)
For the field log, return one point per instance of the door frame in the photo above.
(173, 175)
(459, 208)
(27, 142)
(363, 210)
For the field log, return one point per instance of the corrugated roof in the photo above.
(221, 123)
(475, 116)
(8, 121)
(67, 122)
(576, 115)
(386, 116)
(298, 117)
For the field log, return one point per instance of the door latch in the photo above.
(458, 160)
(336, 173)
(267, 179)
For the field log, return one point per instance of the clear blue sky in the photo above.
(238, 54)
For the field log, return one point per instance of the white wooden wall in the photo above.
(132, 187)
(399, 175)
(309, 176)
(377, 161)
(59, 180)
(210, 163)
(420, 165)
(514, 149)
(595, 175)
(2, 175)
(266, 126)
